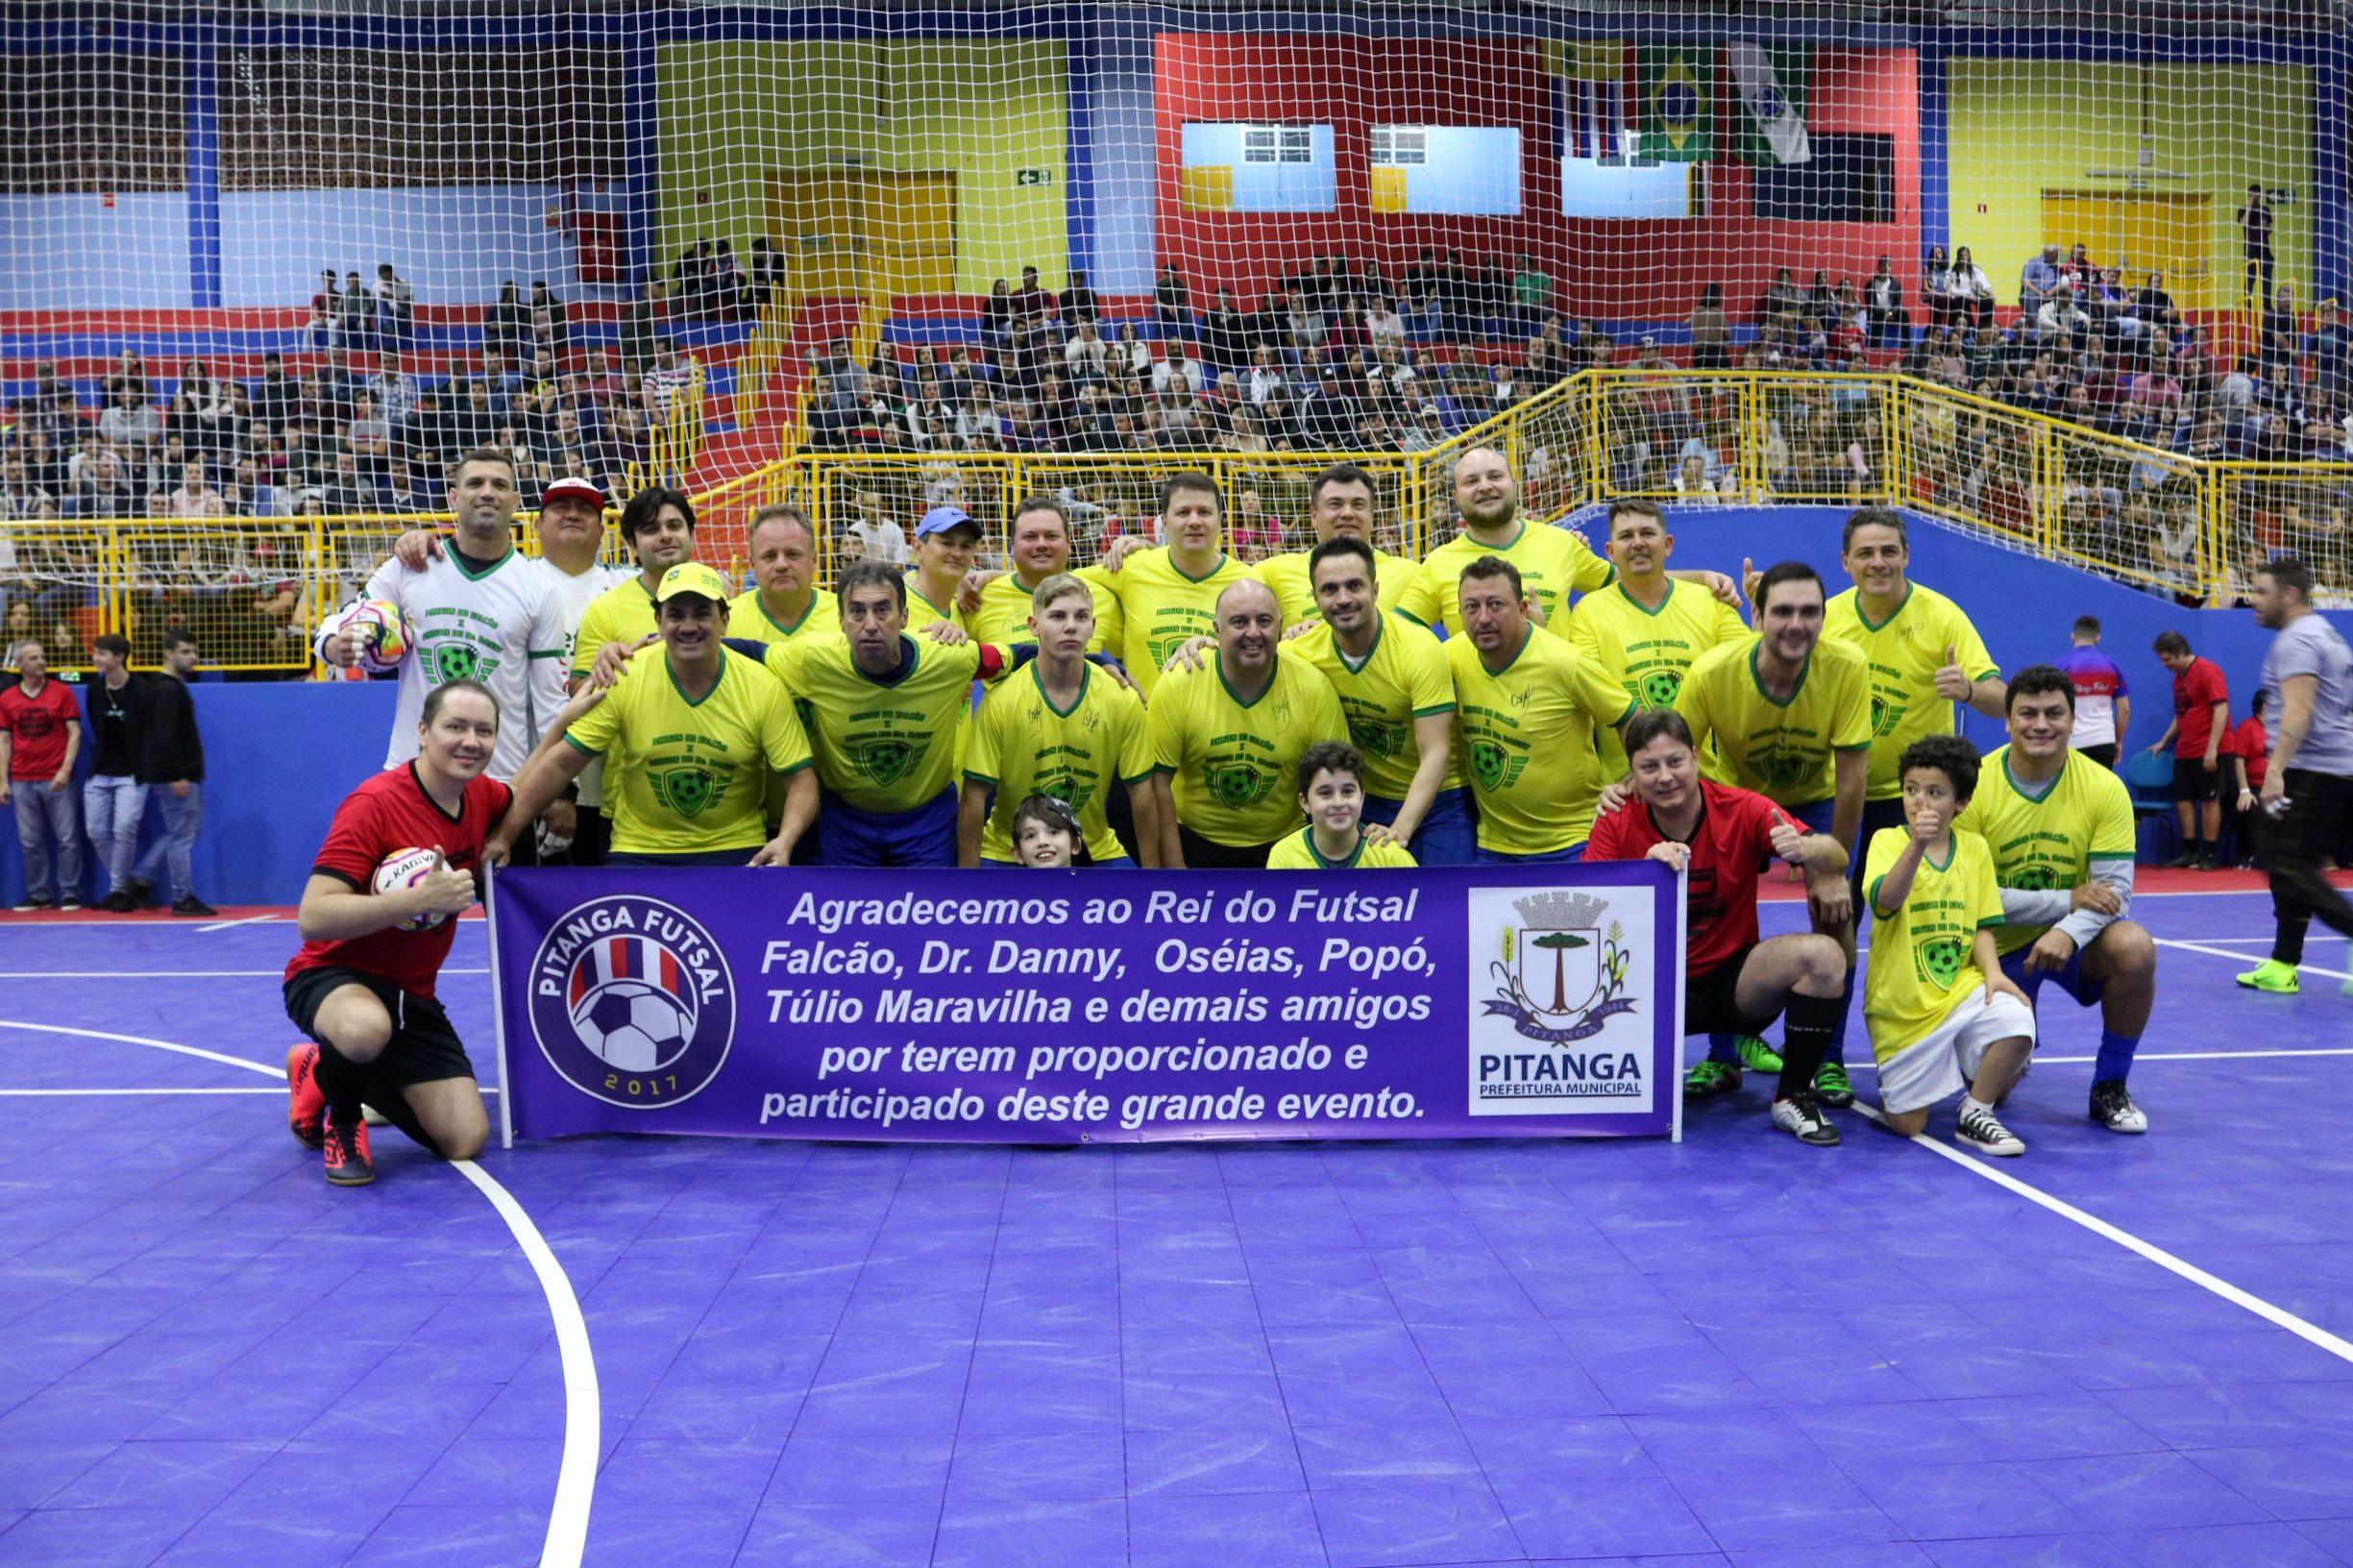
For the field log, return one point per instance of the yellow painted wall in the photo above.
(2019, 127)
(730, 113)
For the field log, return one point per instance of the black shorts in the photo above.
(1209, 855)
(1710, 1003)
(424, 1047)
(2104, 754)
(2192, 782)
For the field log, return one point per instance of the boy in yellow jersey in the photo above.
(944, 540)
(1786, 714)
(2060, 827)
(885, 710)
(1526, 711)
(1168, 594)
(1062, 730)
(1943, 1018)
(1226, 737)
(1039, 543)
(1339, 506)
(1646, 629)
(695, 736)
(1332, 794)
(785, 602)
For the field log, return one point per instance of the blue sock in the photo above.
(1720, 1049)
(1836, 1055)
(2115, 1056)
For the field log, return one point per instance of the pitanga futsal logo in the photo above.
(632, 1002)
(1560, 977)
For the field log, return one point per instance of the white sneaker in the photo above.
(1801, 1116)
(1983, 1132)
(2112, 1108)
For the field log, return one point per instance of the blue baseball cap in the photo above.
(941, 519)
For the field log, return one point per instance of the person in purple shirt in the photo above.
(2103, 703)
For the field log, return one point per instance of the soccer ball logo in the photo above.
(631, 1005)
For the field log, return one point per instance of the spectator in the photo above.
(396, 307)
(2039, 280)
(672, 374)
(355, 315)
(996, 317)
(101, 480)
(763, 275)
(2104, 701)
(1086, 353)
(172, 767)
(368, 438)
(1225, 337)
(2249, 748)
(113, 800)
(195, 497)
(1031, 302)
(1079, 304)
(129, 373)
(1178, 369)
(394, 389)
(1711, 336)
(2255, 245)
(40, 733)
(1303, 324)
(874, 536)
(1890, 324)
(2202, 715)
(641, 328)
(2061, 320)
(1532, 291)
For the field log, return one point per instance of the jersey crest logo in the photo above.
(1939, 959)
(631, 1001)
(1885, 716)
(455, 661)
(1657, 689)
(1781, 769)
(687, 790)
(888, 760)
(2034, 877)
(1070, 789)
(1382, 737)
(1495, 767)
(1236, 785)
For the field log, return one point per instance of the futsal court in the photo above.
(1735, 1350)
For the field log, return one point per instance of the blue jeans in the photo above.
(1443, 837)
(1570, 856)
(113, 804)
(177, 848)
(41, 813)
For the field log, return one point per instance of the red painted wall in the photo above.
(1616, 269)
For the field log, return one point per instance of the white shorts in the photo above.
(1944, 1062)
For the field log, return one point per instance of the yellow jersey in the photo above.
(1649, 651)
(1298, 853)
(623, 613)
(2047, 842)
(1524, 742)
(1234, 766)
(1286, 575)
(1160, 607)
(686, 773)
(747, 617)
(1022, 744)
(1405, 677)
(1003, 616)
(1552, 562)
(1904, 653)
(1921, 966)
(921, 612)
(884, 747)
(1782, 751)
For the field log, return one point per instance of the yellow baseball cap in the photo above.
(693, 577)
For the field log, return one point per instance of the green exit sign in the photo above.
(1032, 176)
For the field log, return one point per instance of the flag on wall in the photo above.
(1677, 83)
(1589, 86)
(1772, 83)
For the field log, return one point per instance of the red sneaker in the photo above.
(347, 1153)
(306, 1112)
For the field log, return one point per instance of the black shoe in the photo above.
(70, 905)
(134, 893)
(33, 906)
(194, 906)
(117, 902)
(2205, 863)
(1801, 1116)
(2112, 1108)
(2183, 861)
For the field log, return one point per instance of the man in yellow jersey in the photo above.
(1552, 562)
(784, 601)
(884, 712)
(944, 540)
(1061, 730)
(1527, 707)
(1169, 593)
(1647, 628)
(1789, 717)
(2061, 829)
(1339, 506)
(1039, 543)
(658, 527)
(695, 736)
(1332, 794)
(1227, 737)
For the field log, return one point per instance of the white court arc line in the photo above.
(2241, 958)
(168, 975)
(242, 920)
(2277, 1316)
(576, 1473)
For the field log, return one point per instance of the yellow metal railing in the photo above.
(771, 332)
(673, 440)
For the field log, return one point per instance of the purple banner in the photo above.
(1039, 1007)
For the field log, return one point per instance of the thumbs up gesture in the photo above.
(1952, 683)
(445, 890)
(1750, 576)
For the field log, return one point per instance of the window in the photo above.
(1400, 146)
(1279, 144)
(1851, 178)
(1247, 166)
(1457, 170)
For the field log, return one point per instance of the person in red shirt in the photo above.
(40, 733)
(362, 986)
(1721, 838)
(2249, 748)
(2202, 715)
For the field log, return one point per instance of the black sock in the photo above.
(1806, 1023)
(2287, 940)
(343, 1081)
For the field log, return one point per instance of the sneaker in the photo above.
(2112, 1108)
(1801, 1116)
(1755, 1055)
(306, 1109)
(1983, 1131)
(1710, 1078)
(2205, 863)
(2183, 861)
(117, 902)
(347, 1153)
(70, 905)
(135, 891)
(194, 906)
(33, 906)
(2272, 975)
(1831, 1086)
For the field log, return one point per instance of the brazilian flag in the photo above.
(1678, 84)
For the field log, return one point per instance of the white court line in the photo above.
(248, 920)
(2225, 952)
(168, 975)
(576, 1476)
(2240, 942)
(2041, 1061)
(2279, 1316)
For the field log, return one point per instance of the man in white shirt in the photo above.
(1086, 353)
(1178, 367)
(876, 536)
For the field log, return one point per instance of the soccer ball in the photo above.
(406, 868)
(632, 1025)
(379, 631)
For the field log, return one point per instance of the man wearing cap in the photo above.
(944, 541)
(784, 601)
(695, 736)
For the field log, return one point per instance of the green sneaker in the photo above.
(2273, 976)
(1831, 1087)
(1755, 1055)
(1708, 1079)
